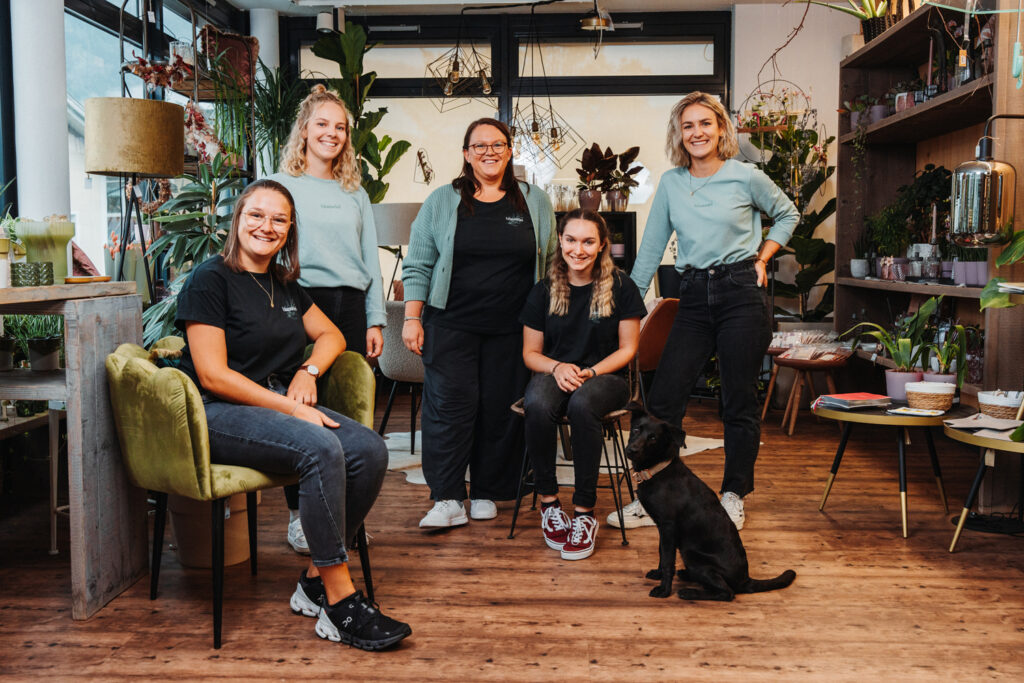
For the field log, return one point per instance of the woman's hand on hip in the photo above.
(412, 336)
(762, 273)
(374, 342)
(303, 388)
(313, 416)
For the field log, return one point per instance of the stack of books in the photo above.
(852, 401)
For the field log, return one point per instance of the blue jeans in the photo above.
(340, 470)
(545, 405)
(723, 311)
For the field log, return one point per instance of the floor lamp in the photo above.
(394, 225)
(134, 139)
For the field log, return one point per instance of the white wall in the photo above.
(811, 61)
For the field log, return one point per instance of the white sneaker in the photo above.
(733, 505)
(482, 508)
(297, 537)
(445, 513)
(633, 515)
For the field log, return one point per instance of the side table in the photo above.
(879, 416)
(107, 514)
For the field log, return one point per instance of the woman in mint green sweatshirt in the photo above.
(338, 249)
(713, 204)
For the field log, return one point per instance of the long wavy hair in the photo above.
(601, 301)
(467, 185)
(285, 266)
(293, 161)
(728, 142)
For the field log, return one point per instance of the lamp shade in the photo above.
(128, 136)
(394, 221)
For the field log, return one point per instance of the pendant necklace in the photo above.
(700, 187)
(270, 294)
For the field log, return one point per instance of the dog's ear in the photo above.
(638, 411)
(678, 436)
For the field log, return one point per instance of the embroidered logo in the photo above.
(517, 219)
(290, 310)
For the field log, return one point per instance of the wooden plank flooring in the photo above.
(866, 603)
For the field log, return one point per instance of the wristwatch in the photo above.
(311, 369)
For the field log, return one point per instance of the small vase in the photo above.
(590, 200)
(617, 200)
(859, 267)
(896, 383)
(877, 112)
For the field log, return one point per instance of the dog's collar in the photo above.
(640, 476)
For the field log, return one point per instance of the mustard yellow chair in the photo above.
(161, 424)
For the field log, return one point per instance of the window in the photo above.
(641, 58)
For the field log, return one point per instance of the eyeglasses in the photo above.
(480, 148)
(255, 219)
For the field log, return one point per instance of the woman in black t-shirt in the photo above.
(581, 327)
(247, 323)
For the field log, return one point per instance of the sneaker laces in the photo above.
(553, 521)
(580, 525)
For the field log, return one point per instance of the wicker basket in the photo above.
(930, 395)
(999, 404)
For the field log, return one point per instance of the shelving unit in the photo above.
(890, 286)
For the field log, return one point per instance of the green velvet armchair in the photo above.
(161, 424)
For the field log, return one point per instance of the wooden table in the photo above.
(879, 416)
(988, 456)
(107, 514)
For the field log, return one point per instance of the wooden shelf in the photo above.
(959, 108)
(84, 290)
(952, 291)
(26, 385)
(898, 46)
(207, 91)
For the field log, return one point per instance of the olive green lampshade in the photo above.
(127, 136)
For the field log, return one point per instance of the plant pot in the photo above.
(978, 273)
(960, 272)
(44, 354)
(48, 241)
(859, 267)
(875, 27)
(617, 200)
(930, 395)
(947, 269)
(854, 119)
(936, 377)
(590, 200)
(896, 383)
(877, 112)
(190, 521)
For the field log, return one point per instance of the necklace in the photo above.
(270, 294)
(699, 188)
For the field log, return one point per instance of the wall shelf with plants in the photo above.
(953, 291)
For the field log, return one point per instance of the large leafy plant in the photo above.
(376, 156)
(596, 167)
(276, 100)
(621, 178)
(904, 344)
(195, 224)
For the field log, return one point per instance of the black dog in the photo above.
(690, 519)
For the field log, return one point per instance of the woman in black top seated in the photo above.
(247, 323)
(581, 327)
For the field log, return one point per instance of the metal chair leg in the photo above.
(615, 473)
(519, 495)
(387, 408)
(217, 554)
(159, 522)
(364, 561)
(251, 510)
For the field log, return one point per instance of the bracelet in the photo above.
(593, 372)
(554, 367)
(411, 317)
(294, 408)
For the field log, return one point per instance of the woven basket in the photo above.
(1006, 412)
(916, 399)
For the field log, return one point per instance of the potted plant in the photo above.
(949, 363)
(276, 100)
(39, 337)
(594, 170)
(873, 16)
(8, 345)
(904, 346)
(857, 108)
(620, 180)
(859, 266)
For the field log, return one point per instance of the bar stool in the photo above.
(615, 465)
(803, 368)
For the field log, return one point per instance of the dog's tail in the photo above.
(762, 585)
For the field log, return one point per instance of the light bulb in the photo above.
(536, 137)
(454, 74)
(447, 90)
(485, 85)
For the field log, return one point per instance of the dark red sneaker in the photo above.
(555, 525)
(582, 538)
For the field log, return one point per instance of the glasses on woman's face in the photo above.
(255, 219)
(481, 149)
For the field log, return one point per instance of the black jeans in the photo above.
(346, 308)
(545, 405)
(470, 382)
(721, 309)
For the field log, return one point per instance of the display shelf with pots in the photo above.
(928, 289)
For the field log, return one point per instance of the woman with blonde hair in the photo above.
(338, 252)
(713, 204)
(580, 330)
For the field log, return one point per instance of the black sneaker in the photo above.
(308, 596)
(357, 622)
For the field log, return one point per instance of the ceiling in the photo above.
(360, 7)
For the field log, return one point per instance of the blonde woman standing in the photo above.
(338, 251)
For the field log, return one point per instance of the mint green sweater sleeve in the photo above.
(716, 219)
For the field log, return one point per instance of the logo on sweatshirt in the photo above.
(330, 206)
(516, 219)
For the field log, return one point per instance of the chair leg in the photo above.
(217, 554)
(615, 474)
(159, 522)
(412, 418)
(798, 390)
(847, 428)
(364, 561)
(387, 408)
(789, 399)
(519, 495)
(771, 388)
(250, 504)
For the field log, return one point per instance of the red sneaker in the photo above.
(582, 538)
(555, 525)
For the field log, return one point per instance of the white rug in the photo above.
(400, 460)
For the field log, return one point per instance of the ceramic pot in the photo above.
(590, 200)
(617, 200)
(854, 119)
(936, 377)
(947, 269)
(877, 112)
(896, 383)
(960, 272)
(978, 272)
(48, 241)
(859, 267)
(44, 354)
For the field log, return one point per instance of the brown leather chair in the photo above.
(654, 329)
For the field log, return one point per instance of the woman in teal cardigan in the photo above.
(476, 249)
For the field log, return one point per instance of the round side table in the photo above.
(879, 416)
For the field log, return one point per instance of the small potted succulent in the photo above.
(620, 180)
(859, 265)
(949, 364)
(39, 338)
(595, 169)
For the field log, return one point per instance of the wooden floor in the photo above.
(866, 604)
